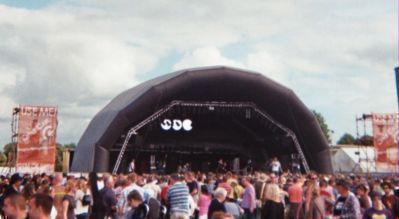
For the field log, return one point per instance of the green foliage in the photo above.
(365, 140)
(58, 158)
(10, 147)
(347, 139)
(3, 159)
(323, 125)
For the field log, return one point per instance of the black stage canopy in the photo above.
(230, 111)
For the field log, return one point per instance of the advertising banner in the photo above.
(385, 133)
(37, 128)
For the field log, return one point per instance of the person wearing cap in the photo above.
(378, 210)
(12, 188)
(347, 204)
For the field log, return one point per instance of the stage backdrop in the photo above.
(37, 128)
(385, 131)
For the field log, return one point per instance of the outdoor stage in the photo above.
(199, 116)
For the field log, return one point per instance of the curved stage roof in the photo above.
(218, 83)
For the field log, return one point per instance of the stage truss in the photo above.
(134, 130)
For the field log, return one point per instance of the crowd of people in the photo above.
(199, 195)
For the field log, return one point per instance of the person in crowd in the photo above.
(29, 190)
(211, 182)
(59, 193)
(225, 185)
(295, 194)
(132, 166)
(378, 210)
(108, 197)
(177, 198)
(83, 199)
(311, 183)
(138, 209)
(14, 207)
(192, 208)
(390, 200)
(260, 187)
(204, 202)
(192, 185)
(376, 189)
(153, 203)
(221, 215)
(233, 208)
(237, 190)
(317, 208)
(40, 206)
(164, 191)
(68, 202)
(123, 205)
(248, 202)
(364, 198)
(217, 204)
(328, 195)
(347, 205)
(273, 207)
(275, 166)
(152, 185)
(13, 187)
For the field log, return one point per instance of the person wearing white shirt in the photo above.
(123, 204)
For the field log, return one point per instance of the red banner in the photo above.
(385, 131)
(37, 128)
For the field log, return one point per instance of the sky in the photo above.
(337, 56)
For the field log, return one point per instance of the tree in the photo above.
(365, 140)
(3, 159)
(323, 125)
(10, 147)
(58, 157)
(347, 139)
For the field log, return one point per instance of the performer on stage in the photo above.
(275, 166)
(131, 167)
(221, 167)
(249, 166)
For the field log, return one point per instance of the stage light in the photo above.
(211, 108)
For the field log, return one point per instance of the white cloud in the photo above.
(205, 56)
(80, 54)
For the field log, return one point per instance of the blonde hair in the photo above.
(70, 185)
(273, 192)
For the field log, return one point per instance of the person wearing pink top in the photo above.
(203, 202)
(295, 194)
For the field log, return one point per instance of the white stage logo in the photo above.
(177, 124)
